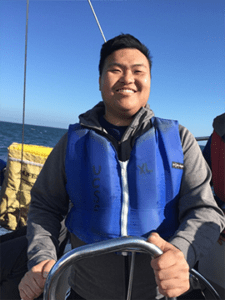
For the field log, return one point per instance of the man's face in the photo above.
(125, 85)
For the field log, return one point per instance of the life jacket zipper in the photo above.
(125, 198)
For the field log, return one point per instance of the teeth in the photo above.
(126, 91)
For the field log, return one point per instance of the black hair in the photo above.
(120, 42)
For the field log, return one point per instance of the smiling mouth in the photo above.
(128, 91)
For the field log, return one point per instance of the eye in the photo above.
(137, 71)
(114, 70)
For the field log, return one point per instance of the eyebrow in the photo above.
(121, 66)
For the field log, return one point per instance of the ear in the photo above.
(99, 82)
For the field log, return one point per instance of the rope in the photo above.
(24, 101)
(25, 162)
(99, 26)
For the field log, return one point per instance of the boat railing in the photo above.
(202, 138)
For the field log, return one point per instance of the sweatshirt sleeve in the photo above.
(201, 220)
(48, 207)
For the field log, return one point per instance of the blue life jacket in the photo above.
(112, 198)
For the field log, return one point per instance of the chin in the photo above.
(129, 113)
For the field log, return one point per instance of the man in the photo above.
(214, 155)
(212, 266)
(126, 173)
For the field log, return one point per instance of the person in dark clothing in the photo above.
(212, 266)
(13, 251)
(214, 155)
(13, 255)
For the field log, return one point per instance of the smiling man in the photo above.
(123, 172)
(125, 85)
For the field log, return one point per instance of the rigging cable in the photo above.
(24, 101)
(99, 26)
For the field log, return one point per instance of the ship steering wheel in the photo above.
(130, 244)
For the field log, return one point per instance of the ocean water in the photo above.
(34, 135)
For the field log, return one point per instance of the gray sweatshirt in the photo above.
(201, 221)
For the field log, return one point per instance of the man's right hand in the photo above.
(32, 284)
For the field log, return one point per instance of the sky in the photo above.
(185, 38)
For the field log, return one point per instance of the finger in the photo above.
(172, 284)
(22, 287)
(24, 296)
(35, 281)
(156, 239)
(176, 272)
(172, 279)
(27, 293)
(165, 261)
(169, 259)
(173, 288)
(173, 293)
(30, 290)
(47, 268)
(37, 286)
(31, 285)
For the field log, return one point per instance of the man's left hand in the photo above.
(171, 269)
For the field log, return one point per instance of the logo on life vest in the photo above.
(177, 165)
(144, 169)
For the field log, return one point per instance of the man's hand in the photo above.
(171, 269)
(33, 282)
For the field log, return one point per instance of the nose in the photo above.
(127, 77)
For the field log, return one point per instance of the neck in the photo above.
(118, 121)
